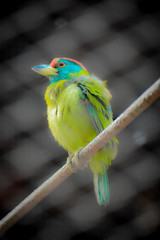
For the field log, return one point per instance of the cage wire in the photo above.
(118, 41)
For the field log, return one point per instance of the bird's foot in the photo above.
(73, 160)
(70, 161)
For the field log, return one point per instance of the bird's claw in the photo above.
(73, 160)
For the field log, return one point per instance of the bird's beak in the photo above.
(45, 70)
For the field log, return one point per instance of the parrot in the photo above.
(78, 109)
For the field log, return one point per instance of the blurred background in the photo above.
(118, 40)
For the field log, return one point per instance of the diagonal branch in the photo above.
(135, 109)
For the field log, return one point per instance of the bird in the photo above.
(78, 109)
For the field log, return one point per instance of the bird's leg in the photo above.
(69, 153)
(73, 159)
(69, 160)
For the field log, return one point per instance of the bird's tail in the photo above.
(101, 187)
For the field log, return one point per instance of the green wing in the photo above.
(87, 96)
(92, 92)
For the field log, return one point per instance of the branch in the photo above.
(135, 109)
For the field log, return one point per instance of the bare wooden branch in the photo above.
(135, 109)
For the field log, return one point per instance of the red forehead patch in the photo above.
(55, 60)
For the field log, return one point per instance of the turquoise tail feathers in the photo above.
(101, 187)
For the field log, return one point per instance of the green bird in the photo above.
(78, 109)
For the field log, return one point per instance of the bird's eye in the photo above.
(61, 64)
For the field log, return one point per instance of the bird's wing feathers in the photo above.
(84, 94)
(97, 101)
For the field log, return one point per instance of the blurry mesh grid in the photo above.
(118, 41)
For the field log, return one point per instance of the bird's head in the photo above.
(61, 68)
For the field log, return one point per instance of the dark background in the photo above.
(118, 41)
